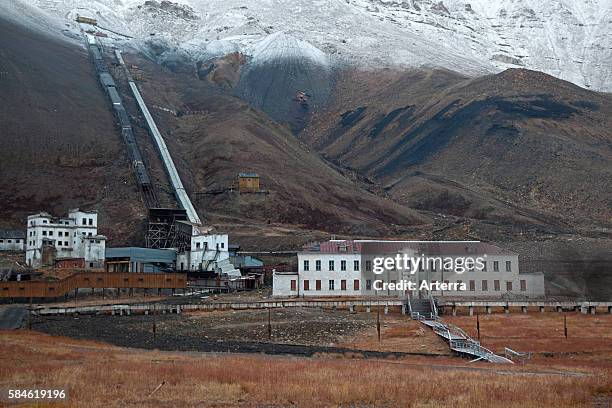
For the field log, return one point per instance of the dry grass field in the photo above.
(99, 375)
(589, 338)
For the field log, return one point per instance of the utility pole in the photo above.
(30, 315)
(154, 328)
(269, 323)
(378, 321)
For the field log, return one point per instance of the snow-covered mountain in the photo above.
(566, 38)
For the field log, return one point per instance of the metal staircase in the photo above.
(425, 311)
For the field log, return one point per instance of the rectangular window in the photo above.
(318, 284)
(508, 286)
(495, 266)
(293, 285)
(44, 221)
(523, 285)
(368, 284)
(197, 245)
(368, 266)
(50, 233)
(343, 265)
(496, 285)
(65, 243)
(318, 265)
(472, 286)
(84, 222)
(306, 265)
(508, 266)
(44, 233)
(331, 285)
(331, 265)
(343, 284)
(59, 243)
(485, 286)
(223, 245)
(306, 284)
(91, 221)
(484, 266)
(356, 284)
(355, 265)
(59, 233)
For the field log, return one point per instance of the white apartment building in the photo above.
(12, 240)
(347, 268)
(50, 239)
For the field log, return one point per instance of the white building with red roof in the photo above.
(351, 268)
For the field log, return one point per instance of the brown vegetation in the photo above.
(97, 375)
(589, 338)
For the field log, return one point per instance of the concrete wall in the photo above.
(203, 249)
(12, 244)
(281, 284)
(522, 285)
(73, 237)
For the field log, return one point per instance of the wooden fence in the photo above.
(92, 280)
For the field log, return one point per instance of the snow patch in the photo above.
(279, 46)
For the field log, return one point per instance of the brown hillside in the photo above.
(58, 144)
(519, 147)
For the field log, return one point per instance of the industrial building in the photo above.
(248, 183)
(347, 268)
(179, 227)
(72, 239)
(12, 240)
(132, 259)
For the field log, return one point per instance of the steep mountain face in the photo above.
(60, 148)
(520, 146)
(565, 38)
(58, 145)
(287, 78)
(214, 136)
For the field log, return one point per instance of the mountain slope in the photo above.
(519, 146)
(214, 136)
(59, 148)
(565, 38)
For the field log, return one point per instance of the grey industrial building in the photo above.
(133, 259)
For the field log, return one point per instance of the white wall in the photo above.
(12, 244)
(281, 284)
(204, 248)
(70, 237)
(325, 275)
(534, 283)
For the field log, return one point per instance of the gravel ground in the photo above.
(294, 331)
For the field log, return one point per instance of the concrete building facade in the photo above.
(12, 240)
(351, 268)
(49, 239)
(206, 252)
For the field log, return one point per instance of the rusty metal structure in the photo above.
(167, 228)
(92, 280)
